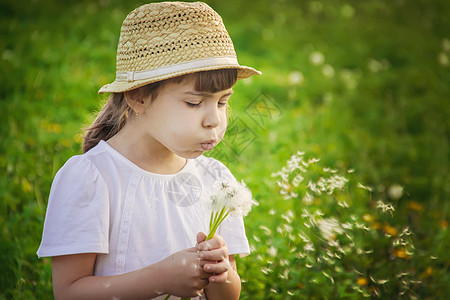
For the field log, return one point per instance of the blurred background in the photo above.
(362, 85)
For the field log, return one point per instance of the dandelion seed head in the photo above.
(443, 59)
(445, 44)
(395, 191)
(316, 58)
(328, 71)
(296, 77)
(236, 198)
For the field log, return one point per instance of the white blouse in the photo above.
(100, 202)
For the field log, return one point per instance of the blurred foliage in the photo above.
(360, 84)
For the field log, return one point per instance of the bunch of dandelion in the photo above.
(228, 200)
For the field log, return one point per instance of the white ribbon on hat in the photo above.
(226, 61)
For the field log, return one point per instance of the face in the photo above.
(184, 121)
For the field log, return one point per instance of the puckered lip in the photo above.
(208, 145)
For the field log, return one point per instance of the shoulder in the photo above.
(80, 169)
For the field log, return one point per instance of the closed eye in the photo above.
(195, 105)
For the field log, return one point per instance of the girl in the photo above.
(122, 218)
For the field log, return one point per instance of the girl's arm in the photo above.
(180, 274)
(224, 282)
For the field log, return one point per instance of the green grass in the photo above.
(362, 85)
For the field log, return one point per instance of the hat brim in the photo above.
(123, 86)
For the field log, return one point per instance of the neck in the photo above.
(145, 152)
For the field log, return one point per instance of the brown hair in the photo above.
(116, 111)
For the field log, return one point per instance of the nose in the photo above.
(212, 117)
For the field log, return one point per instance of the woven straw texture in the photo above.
(156, 36)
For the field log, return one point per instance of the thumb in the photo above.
(201, 237)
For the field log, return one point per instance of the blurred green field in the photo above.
(362, 85)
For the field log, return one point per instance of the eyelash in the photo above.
(197, 105)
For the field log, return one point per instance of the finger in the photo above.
(219, 278)
(201, 237)
(214, 243)
(216, 254)
(217, 268)
(203, 262)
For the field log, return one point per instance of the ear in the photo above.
(135, 100)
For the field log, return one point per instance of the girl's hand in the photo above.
(184, 274)
(214, 257)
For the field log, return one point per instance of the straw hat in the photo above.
(163, 40)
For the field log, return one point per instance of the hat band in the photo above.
(187, 66)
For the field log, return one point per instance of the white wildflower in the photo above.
(304, 237)
(336, 182)
(328, 276)
(343, 203)
(329, 227)
(308, 199)
(288, 216)
(297, 180)
(406, 231)
(309, 247)
(313, 187)
(267, 230)
(385, 207)
(288, 228)
(367, 188)
(272, 251)
(313, 160)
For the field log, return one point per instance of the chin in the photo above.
(191, 155)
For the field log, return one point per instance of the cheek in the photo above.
(222, 127)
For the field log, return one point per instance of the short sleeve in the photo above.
(77, 218)
(233, 232)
